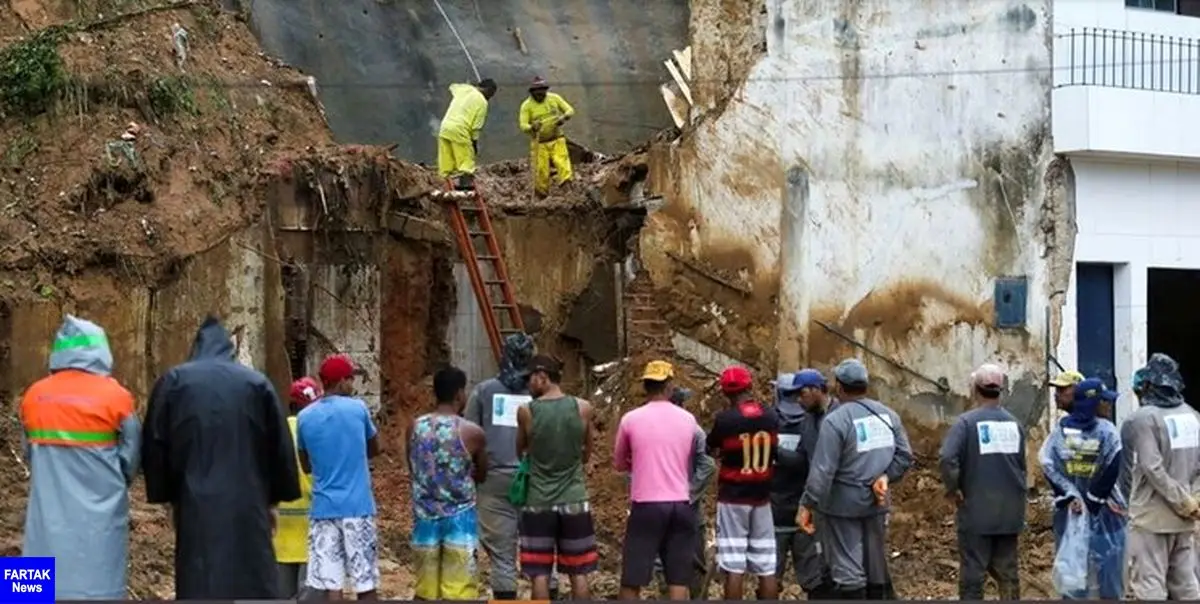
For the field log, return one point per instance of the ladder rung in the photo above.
(486, 257)
(502, 306)
(509, 330)
(494, 282)
(463, 208)
(478, 233)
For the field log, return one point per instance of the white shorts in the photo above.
(745, 539)
(341, 548)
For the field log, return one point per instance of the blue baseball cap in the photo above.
(808, 378)
(1089, 389)
(1109, 395)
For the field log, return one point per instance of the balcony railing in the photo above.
(1093, 56)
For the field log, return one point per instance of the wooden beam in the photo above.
(684, 58)
(674, 105)
(683, 85)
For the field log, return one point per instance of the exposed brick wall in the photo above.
(646, 329)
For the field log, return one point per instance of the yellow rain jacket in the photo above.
(466, 115)
(545, 113)
(291, 536)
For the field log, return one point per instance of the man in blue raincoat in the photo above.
(1080, 459)
(81, 437)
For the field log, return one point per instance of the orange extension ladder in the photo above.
(481, 253)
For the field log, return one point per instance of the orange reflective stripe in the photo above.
(75, 409)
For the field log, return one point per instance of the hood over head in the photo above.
(212, 341)
(1085, 404)
(83, 345)
(514, 361)
(1162, 384)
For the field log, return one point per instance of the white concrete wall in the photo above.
(923, 165)
(1137, 215)
(466, 336)
(345, 309)
(1142, 77)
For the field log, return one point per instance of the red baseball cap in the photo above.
(335, 368)
(304, 391)
(736, 379)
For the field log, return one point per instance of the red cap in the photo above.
(335, 368)
(736, 379)
(304, 391)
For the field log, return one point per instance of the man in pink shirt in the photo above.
(656, 443)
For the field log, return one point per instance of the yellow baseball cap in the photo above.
(1066, 378)
(659, 371)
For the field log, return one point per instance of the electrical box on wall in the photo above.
(1010, 302)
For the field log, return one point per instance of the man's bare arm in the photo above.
(524, 421)
(408, 433)
(585, 413)
(476, 441)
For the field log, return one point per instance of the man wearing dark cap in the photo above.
(1163, 435)
(1077, 460)
(336, 437)
(493, 405)
(983, 470)
(555, 431)
(800, 407)
(746, 433)
(541, 118)
(861, 450)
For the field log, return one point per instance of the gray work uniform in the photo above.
(1162, 460)
(797, 441)
(859, 441)
(493, 407)
(983, 457)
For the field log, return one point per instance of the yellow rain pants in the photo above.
(460, 129)
(548, 146)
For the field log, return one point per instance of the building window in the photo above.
(1189, 8)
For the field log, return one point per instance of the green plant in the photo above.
(20, 147)
(31, 75)
(170, 95)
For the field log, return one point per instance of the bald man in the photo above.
(983, 469)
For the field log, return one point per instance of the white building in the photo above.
(1126, 112)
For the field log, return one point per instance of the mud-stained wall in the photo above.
(876, 171)
(152, 330)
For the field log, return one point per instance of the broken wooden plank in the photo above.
(520, 41)
(675, 105)
(684, 58)
(683, 85)
(703, 272)
(411, 227)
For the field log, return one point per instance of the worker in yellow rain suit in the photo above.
(542, 116)
(458, 137)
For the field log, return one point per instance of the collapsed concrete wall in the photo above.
(857, 187)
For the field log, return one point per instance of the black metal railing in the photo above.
(1093, 56)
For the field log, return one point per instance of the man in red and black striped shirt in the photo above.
(746, 434)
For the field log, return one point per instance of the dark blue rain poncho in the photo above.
(217, 448)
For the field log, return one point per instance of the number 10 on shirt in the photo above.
(756, 452)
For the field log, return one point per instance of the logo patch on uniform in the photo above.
(1183, 430)
(504, 408)
(873, 433)
(789, 442)
(998, 437)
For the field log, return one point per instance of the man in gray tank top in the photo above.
(861, 449)
(493, 405)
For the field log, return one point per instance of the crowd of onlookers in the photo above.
(268, 504)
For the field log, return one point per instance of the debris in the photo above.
(520, 41)
(179, 36)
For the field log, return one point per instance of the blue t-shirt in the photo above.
(333, 431)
